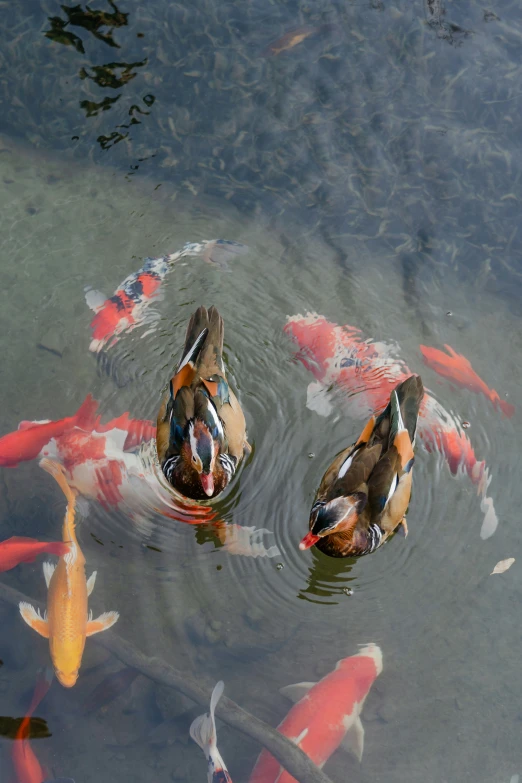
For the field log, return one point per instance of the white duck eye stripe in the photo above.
(193, 441)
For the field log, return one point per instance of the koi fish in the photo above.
(367, 372)
(289, 40)
(326, 714)
(114, 464)
(457, 369)
(20, 549)
(203, 732)
(127, 307)
(27, 442)
(26, 765)
(66, 623)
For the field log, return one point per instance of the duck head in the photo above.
(339, 515)
(201, 451)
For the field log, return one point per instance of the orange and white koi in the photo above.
(367, 371)
(327, 714)
(26, 764)
(127, 307)
(66, 623)
(203, 732)
(457, 369)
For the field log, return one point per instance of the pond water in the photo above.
(367, 156)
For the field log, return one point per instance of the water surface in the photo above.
(373, 171)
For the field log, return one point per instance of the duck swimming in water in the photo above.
(364, 494)
(201, 432)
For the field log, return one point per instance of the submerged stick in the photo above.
(297, 763)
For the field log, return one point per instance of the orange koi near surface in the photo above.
(327, 714)
(457, 369)
(26, 765)
(67, 623)
(368, 371)
(20, 549)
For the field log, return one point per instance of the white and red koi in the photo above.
(203, 732)
(127, 307)
(327, 714)
(67, 622)
(367, 371)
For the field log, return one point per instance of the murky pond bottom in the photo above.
(446, 705)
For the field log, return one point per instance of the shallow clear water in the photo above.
(373, 171)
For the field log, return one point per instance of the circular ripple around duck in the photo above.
(269, 501)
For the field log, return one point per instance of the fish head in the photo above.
(66, 655)
(67, 678)
(339, 515)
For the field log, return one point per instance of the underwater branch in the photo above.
(286, 752)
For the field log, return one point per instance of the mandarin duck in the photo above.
(201, 431)
(364, 494)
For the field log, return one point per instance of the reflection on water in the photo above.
(367, 155)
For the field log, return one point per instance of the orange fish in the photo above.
(66, 623)
(20, 549)
(326, 714)
(27, 767)
(458, 369)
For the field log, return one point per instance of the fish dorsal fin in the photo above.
(297, 691)
(48, 569)
(353, 741)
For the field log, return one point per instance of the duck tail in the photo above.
(203, 728)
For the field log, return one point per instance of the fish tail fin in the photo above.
(85, 416)
(506, 407)
(203, 728)
(44, 681)
(57, 471)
